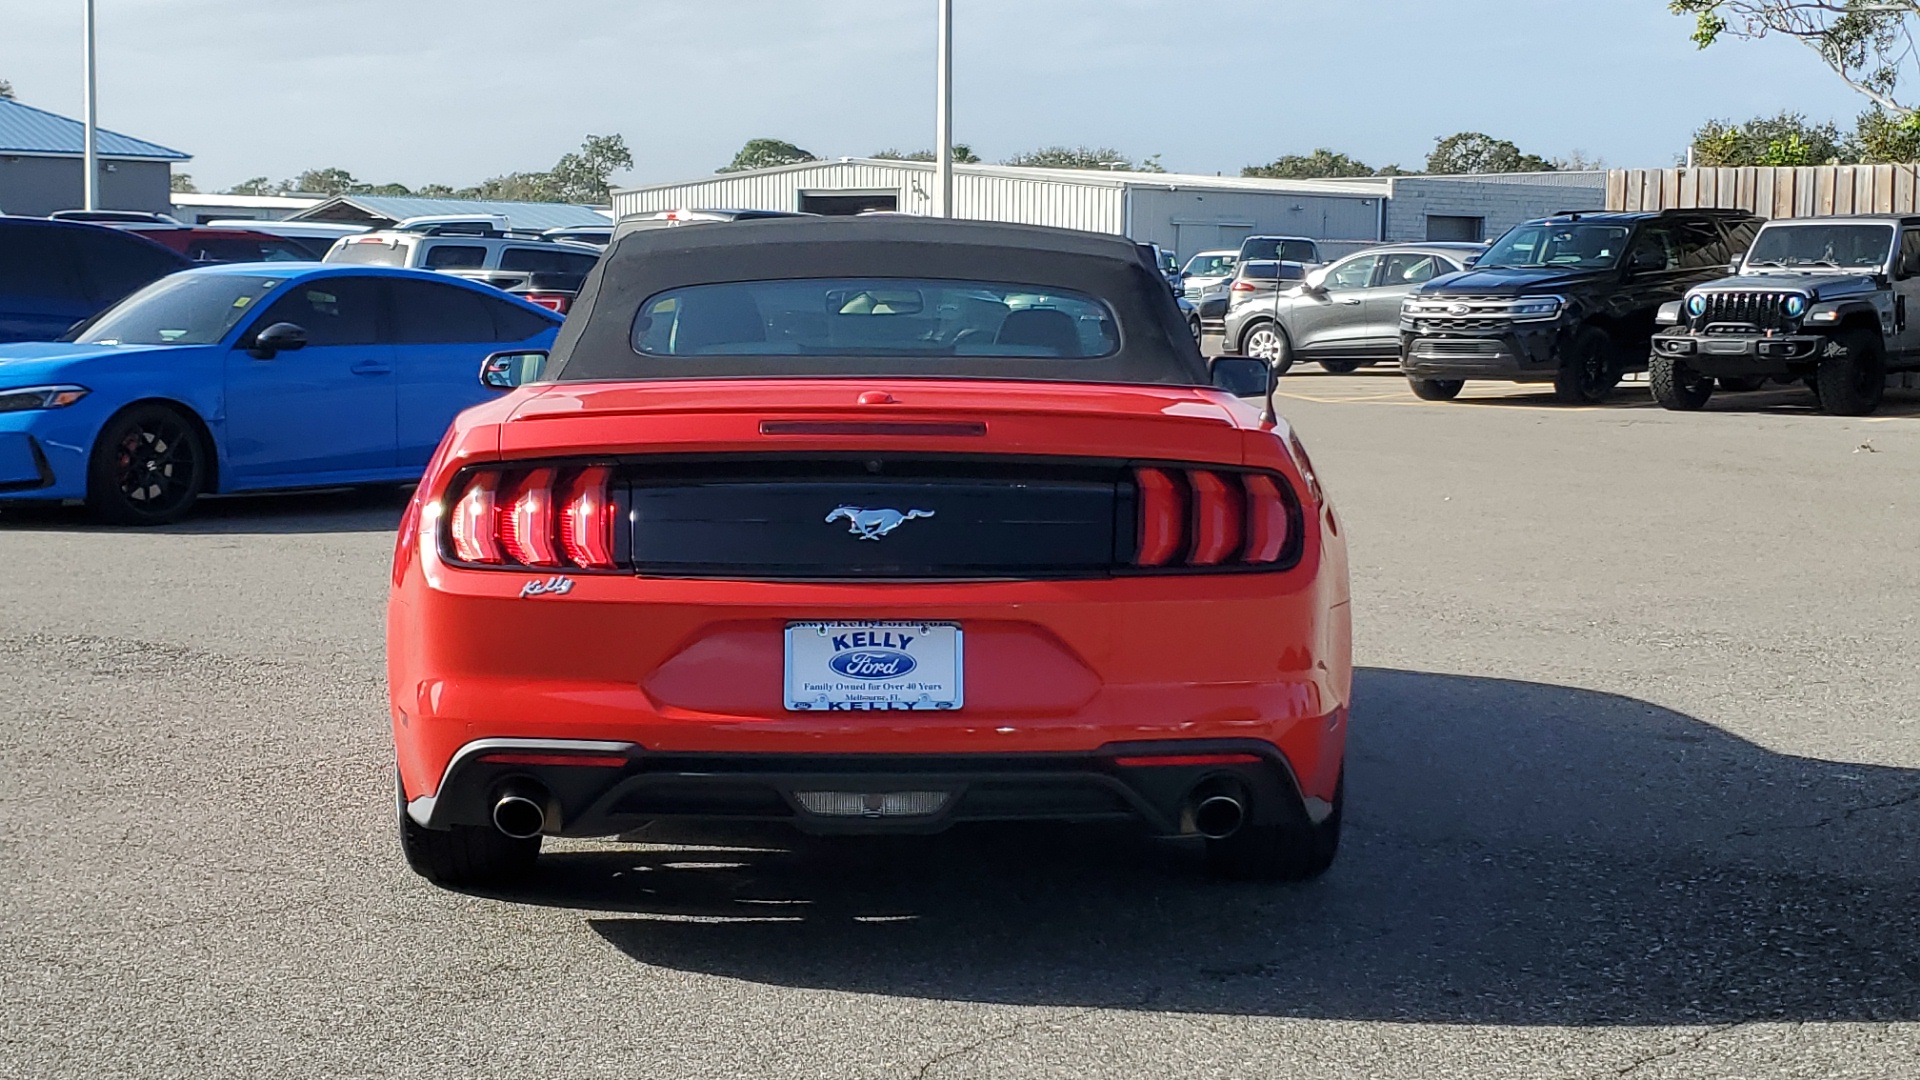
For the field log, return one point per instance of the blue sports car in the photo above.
(249, 377)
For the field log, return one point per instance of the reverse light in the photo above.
(29, 398)
(1214, 518)
(547, 517)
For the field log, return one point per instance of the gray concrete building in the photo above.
(42, 168)
(1182, 213)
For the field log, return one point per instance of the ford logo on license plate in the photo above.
(873, 664)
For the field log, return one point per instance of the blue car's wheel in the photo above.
(148, 467)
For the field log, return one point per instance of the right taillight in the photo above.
(1215, 518)
(546, 517)
(1242, 286)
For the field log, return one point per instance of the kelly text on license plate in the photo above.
(847, 666)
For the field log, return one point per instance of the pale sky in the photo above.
(453, 91)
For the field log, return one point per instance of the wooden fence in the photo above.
(1814, 191)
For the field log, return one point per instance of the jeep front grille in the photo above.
(1758, 310)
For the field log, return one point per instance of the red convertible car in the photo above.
(870, 525)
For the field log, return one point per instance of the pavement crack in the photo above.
(1846, 815)
(1684, 1046)
(1009, 1032)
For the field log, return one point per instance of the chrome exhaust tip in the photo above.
(521, 812)
(1217, 817)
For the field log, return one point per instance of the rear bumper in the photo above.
(598, 788)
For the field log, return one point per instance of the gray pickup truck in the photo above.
(1824, 301)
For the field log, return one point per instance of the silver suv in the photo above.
(1346, 314)
(471, 246)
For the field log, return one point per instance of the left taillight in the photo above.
(546, 518)
(559, 302)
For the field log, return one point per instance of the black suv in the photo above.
(1569, 299)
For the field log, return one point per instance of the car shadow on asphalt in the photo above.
(1516, 853)
(330, 510)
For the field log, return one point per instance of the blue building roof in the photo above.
(519, 215)
(27, 130)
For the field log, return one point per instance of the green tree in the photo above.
(323, 182)
(1074, 157)
(6, 90)
(183, 184)
(1472, 152)
(766, 154)
(962, 154)
(1320, 164)
(585, 175)
(1881, 138)
(1868, 43)
(436, 191)
(1786, 139)
(259, 185)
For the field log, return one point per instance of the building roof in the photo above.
(382, 210)
(30, 131)
(1364, 186)
(249, 202)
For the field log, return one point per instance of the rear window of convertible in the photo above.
(902, 317)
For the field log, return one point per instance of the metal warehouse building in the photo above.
(1186, 214)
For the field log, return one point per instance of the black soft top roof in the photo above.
(1155, 345)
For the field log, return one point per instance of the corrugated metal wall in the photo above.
(1815, 191)
(770, 191)
(1174, 218)
(1070, 205)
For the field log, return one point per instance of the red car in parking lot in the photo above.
(869, 525)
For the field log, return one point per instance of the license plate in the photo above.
(853, 666)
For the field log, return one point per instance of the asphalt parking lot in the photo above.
(1634, 791)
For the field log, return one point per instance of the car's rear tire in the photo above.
(1852, 377)
(1677, 386)
(1281, 852)
(1436, 389)
(148, 466)
(1341, 367)
(1589, 371)
(464, 856)
(1265, 340)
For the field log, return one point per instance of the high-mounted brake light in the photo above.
(544, 517)
(1207, 518)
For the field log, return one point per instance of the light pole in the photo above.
(943, 117)
(91, 158)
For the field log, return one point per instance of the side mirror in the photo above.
(278, 338)
(1316, 281)
(1469, 261)
(1241, 376)
(1733, 268)
(507, 370)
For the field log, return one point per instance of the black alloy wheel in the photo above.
(1588, 372)
(1436, 389)
(1677, 386)
(1852, 376)
(148, 466)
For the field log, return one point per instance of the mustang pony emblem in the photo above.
(874, 524)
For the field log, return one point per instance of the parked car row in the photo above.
(1578, 300)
